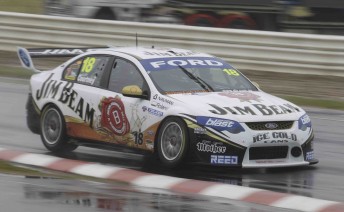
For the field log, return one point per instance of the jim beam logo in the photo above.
(255, 109)
(64, 93)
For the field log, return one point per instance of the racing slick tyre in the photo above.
(172, 142)
(53, 131)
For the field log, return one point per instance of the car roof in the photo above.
(142, 53)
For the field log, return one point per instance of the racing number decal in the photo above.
(88, 64)
(138, 137)
(231, 72)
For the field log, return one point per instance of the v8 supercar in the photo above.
(182, 105)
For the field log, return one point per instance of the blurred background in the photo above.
(291, 48)
(307, 16)
(316, 17)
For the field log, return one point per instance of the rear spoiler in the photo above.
(26, 55)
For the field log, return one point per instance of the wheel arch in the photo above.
(51, 104)
(62, 142)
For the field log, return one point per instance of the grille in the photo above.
(281, 125)
(271, 152)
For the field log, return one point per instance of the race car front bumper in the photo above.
(209, 147)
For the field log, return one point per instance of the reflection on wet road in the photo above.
(45, 194)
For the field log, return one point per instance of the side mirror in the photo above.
(134, 91)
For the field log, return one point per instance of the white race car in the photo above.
(182, 105)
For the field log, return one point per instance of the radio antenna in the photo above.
(137, 42)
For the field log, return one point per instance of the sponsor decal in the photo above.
(274, 137)
(200, 130)
(224, 159)
(113, 116)
(63, 51)
(265, 110)
(304, 122)
(158, 64)
(155, 112)
(67, 96)
(152, 111)
(220, 124)
(24, 57)
(149, 144)
(208, 146)
(169, 53)
(242, 96)
(159, 105)
(309, 155)
(193, 92)
(85, 79)
(162, 99)
(150, 132)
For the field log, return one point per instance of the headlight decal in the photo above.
(220, 124)
(304, 122)
(212, 134)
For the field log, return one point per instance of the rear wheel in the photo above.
(172, 142)
(53, 131)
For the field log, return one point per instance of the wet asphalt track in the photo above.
(323, 181)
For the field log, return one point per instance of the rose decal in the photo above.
(113, 116)
(242, 96)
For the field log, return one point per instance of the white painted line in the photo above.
(95, 170)
(157, 181)
(301, 203)
(229, 191)
(35, 159)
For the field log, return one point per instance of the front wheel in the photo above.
(53, 131)
(172, 142)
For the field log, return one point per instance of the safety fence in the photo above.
(245, 49)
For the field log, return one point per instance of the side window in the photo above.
(72, 70)
(92, 70)
(123, 74)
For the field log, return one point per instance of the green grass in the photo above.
(22, 6)
(18, 72)
(322, 103)
(23, 170)
(9, 168)
(17, 169)
(6, 71)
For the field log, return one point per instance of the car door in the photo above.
(123, 119)
(81, 95)
(99, 111)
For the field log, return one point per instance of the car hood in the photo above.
(242, 106)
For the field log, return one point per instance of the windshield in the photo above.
(179, 75)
